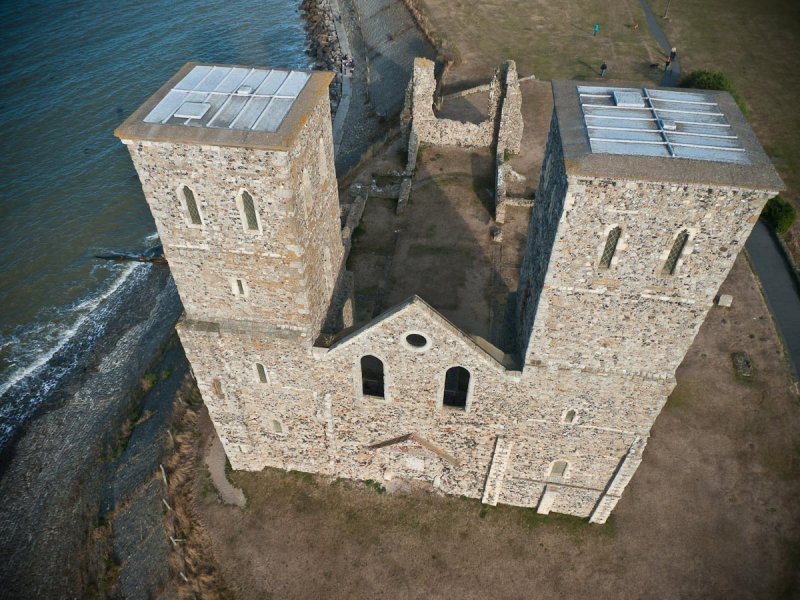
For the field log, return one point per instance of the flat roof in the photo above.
(635, 132)
(228, 105)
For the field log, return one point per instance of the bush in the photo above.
(713, 80)
(779, 213)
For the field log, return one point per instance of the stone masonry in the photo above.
(560, 426)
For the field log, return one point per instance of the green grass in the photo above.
(375, 485)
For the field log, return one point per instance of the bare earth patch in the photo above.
(711, 513)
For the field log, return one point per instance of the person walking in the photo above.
(672, 54)
(596, 29)
(667, 63)
(603, 68)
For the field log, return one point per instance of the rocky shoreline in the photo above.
(323, 43)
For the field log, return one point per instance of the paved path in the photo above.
(780, 289)
(215, 461)
(672, 76)
(347, 87)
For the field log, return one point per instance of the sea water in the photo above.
(70, 72)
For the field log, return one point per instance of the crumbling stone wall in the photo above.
(426, 128)
(509, 132)
(509, 137)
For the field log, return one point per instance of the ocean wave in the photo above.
(85, 309)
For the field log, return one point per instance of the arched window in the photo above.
(675, 253)
(372, 376)
(611, 247)
(559, 468)
(191, 205)
(456, 387)
(249, 210)
(569, 416)
(262, 373)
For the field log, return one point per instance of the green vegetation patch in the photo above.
(375, 485)
(713, 80)
(779, 213)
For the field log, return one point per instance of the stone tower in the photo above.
(237, 166)
(645, 200)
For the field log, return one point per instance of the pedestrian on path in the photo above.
(596, 28)
(667, 63)
(672, 54)
(603, 68)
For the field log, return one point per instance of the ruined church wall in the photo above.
(244, 409)
(509, 132)
(327, 425)
(428, 129)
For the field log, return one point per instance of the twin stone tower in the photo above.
(645, 199)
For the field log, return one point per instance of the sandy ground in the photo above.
(711, 513)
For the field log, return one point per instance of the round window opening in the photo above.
(416, 340)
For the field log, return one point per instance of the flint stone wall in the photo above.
(629, 318)
(328, 425)
(509, 136)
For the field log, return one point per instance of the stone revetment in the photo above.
(645, 198)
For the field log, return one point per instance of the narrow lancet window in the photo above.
(191, 206)
(240, 287)
(456, 387)
(262, 373)
(372, 376)
(611, 248)
(569, 416)
(675, 253)
(249, 209)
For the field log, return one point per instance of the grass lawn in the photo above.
(552, 40)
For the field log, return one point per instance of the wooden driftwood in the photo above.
(123, 256)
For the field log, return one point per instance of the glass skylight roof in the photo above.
(644, 122)
(230, 98)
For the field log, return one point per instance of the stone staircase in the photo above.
(497, 470)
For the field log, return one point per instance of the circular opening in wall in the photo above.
(416, 340)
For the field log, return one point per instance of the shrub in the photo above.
(779, 213)
(713, 80)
